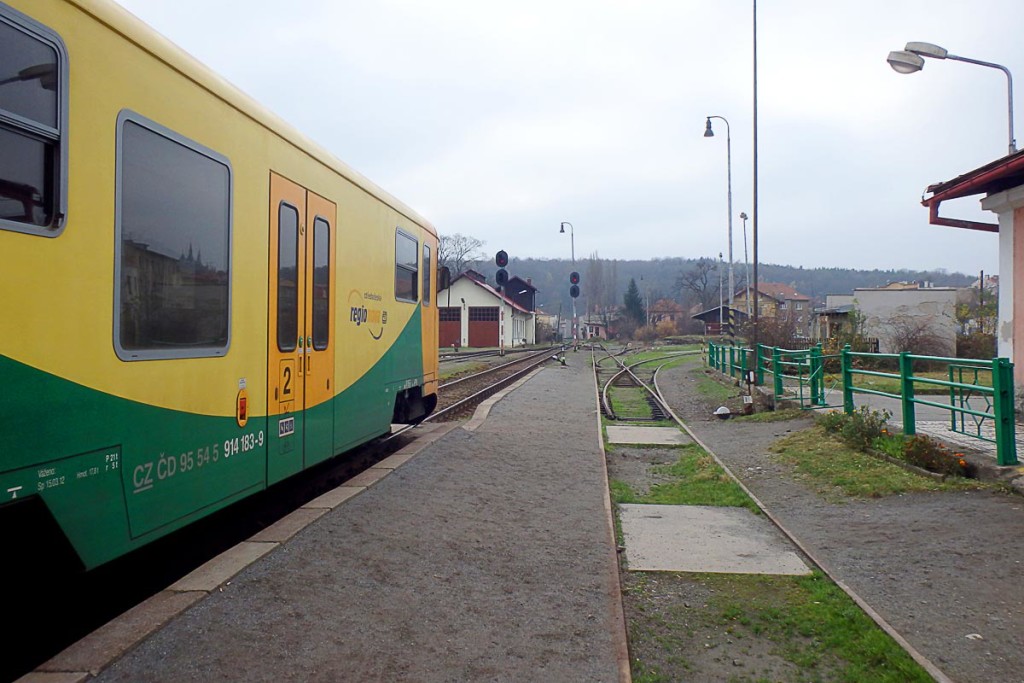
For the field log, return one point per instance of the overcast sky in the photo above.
(500, 120)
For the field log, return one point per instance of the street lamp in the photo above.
(746, 262)
(911, 59)
(708, 133)
(572, 246)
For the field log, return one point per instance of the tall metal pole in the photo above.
(720, 305)
(572, 246)
(754, 227)
(728, 166)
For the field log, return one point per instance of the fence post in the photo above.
(817, 395)
(743, 365)
(776, 375)
(732, 360)
(758, 366)
(846, 367)
(1002, 400)
(907, 393)
(711, 353)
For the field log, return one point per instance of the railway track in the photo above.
(631, 387)
(458, 397)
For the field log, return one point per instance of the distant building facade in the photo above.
(474, 314)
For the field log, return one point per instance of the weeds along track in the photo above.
(627, 393)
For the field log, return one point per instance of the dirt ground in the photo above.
(944, 569)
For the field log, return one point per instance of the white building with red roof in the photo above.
(474, 314)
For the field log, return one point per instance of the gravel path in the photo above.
(944, 569)
(488, 557)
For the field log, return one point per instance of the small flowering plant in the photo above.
(867, 429)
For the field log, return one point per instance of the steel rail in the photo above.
(487, 391)
(546, 353)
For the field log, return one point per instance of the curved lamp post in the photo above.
(911, 59)
(708, 133)
(572, 246)
(746, 260)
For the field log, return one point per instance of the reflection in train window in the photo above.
(33, 119)
(321, 283)
(426, 274)
(174, 244)
(406, 266)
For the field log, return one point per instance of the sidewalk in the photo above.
(941, 567)
(487, 557)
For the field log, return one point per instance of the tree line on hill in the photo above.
(688, 281)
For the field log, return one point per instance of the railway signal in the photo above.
(574, 282)
(501, 260)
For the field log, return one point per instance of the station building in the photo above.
(474, 314)
(1001, 186)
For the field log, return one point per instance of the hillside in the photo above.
(604, 281)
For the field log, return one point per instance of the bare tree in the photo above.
(459, 252)
(700, 282)
(916, 334)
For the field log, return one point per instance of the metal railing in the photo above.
(799, 374)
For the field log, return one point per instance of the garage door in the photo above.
(483, 326)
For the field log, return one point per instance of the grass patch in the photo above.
(711, 388)
(772, 415)
(891, 385)
(694, 479)
(630, 402)
(834, 469)
(732, 627)
(814, 624)
(456, 370)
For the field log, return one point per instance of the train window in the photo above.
(321, 283)
(406, 266)
(287, 277)
(173, 227)
(426, 274)
(33, 124)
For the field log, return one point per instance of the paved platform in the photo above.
(704, 538)
(486, 556)
(647, 436)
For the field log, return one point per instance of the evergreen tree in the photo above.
(634, 304)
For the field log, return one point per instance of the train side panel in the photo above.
(122, 445)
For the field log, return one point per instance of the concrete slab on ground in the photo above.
(701, 538)
(653, 436)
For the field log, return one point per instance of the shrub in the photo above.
(860, 428)
(976, 345)
(928, 453)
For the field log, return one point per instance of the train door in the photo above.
(300, 354)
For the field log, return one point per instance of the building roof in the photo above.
(480, 283)
(711, 315)
(779, 292)
(995, 176)
(524, 283)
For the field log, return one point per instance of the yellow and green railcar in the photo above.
(197, 302)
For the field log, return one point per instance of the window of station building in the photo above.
(33, 126)
(483, 314)
(450, 314)
(406, 266)
(321, 283)
(173, 245)
(426, 274)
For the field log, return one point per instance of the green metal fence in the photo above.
(798, 374)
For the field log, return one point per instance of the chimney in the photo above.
(529, 281)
